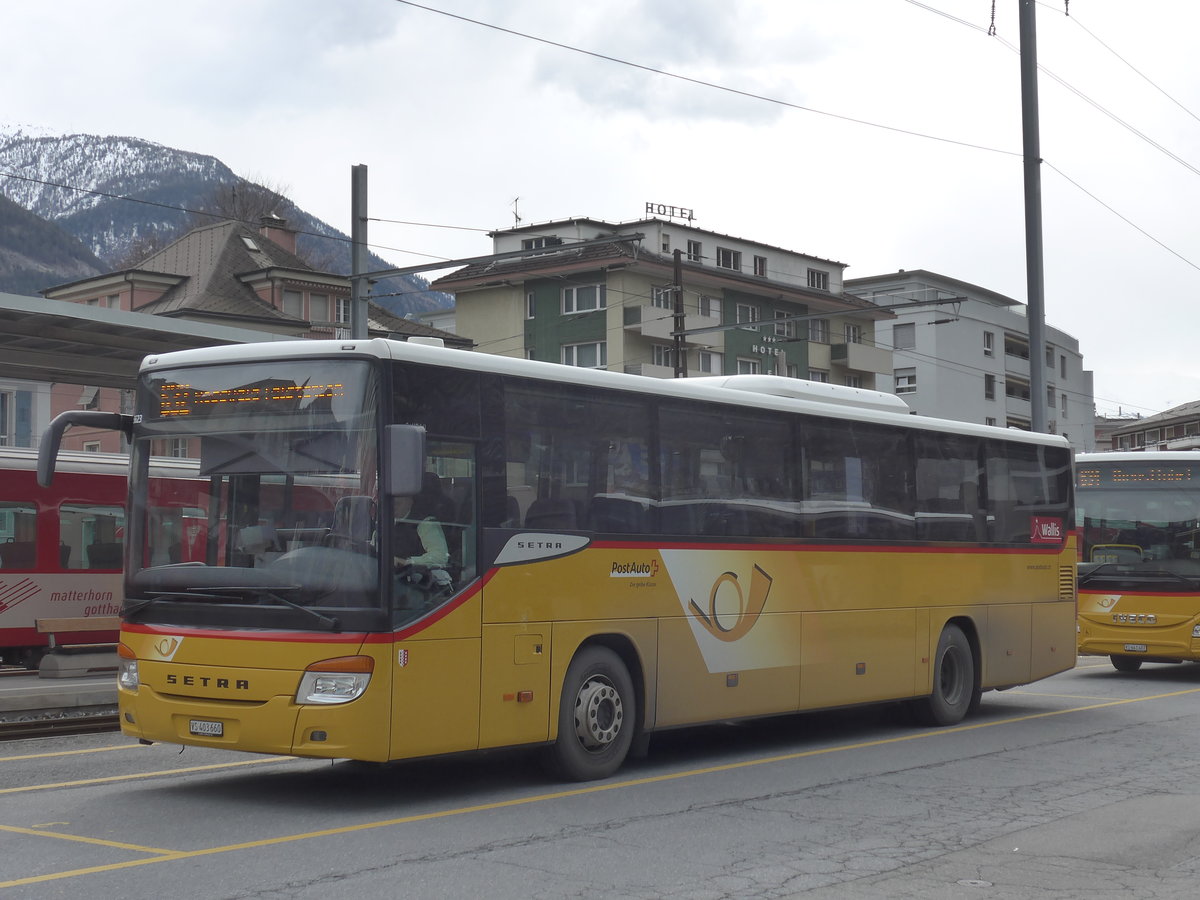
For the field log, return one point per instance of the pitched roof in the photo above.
(215, 260)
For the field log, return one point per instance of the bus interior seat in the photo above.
(551, 513)
(18, 555)
(104, 555)
(64, 556)
(353, 522)
(618, 515)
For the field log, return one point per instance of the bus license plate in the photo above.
(206, 728)
(1136, 648)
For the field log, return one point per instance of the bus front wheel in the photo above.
(954, 690)
(1125, 663)
(596, 716)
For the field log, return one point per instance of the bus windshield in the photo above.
(1140, 523)
(279, 512)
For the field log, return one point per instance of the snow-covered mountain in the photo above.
(112, 193)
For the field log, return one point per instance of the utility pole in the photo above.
(1034, 275)
(680, 352)
(358, 252)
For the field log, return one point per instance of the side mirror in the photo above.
(52, 436)
(403, 460)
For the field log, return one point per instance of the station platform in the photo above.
(22, 695)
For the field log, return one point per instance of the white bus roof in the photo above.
(760, 391)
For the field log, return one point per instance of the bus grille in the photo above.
(1066, 583)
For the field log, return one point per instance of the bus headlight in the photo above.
(338, 680)
(127, 669)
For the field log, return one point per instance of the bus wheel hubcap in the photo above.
(598, 713)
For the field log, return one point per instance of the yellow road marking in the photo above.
(111, 778)
(170, 856)
(82, 840)
(75, 752)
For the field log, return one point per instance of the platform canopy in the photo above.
(52, 341)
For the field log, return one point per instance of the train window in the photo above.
(17, 535)
(90, 537)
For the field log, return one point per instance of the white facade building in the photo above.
(967, 358)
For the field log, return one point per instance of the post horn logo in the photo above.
(748, 609)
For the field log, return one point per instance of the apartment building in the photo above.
(960, 351)
(747, 307)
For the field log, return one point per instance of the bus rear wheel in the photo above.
(596, 716)
(954, 690)
(1125, 663)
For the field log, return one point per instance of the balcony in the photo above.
(657, 323)
(861, 358)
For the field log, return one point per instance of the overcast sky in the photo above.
(884, 134)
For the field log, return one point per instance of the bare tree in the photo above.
(243, 200)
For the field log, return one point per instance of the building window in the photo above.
(818, 279)
(819, 375)
(695, 251)
(784, 326)
(1063, 405)
(662, 297)
(1050, 396)
(747, 366)
(666, 243)
(177, 447)
(990, 420)
(853, 333)
(662, 356)
(710, 307)
(530, 304)
(6, 413)
(729, 259)
(818, 331)
(1062, 366)
(587, 356)
(1015, 345)
(904, 337)
(293, 304)
(747, 315)
(539, 243)
(760, 266)
(91, 446)
(711, 362)
(989, 387)
(583, 298)
(318, 305)
(1050, 359)
(342, 310)
(989, 343)
(906, 381)
(854, 381)
(1017, 388)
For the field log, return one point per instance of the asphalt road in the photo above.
(1077, 787)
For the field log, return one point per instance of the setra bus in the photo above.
(1139, 573)
(410, 550)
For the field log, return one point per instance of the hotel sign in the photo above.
(671, 212)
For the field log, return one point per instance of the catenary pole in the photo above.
(1034, 275)
(358, 252)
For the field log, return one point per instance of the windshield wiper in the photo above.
(275, 592)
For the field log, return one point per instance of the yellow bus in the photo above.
(399, 550)
(1139, 572)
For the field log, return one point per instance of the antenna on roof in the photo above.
(516, 214)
